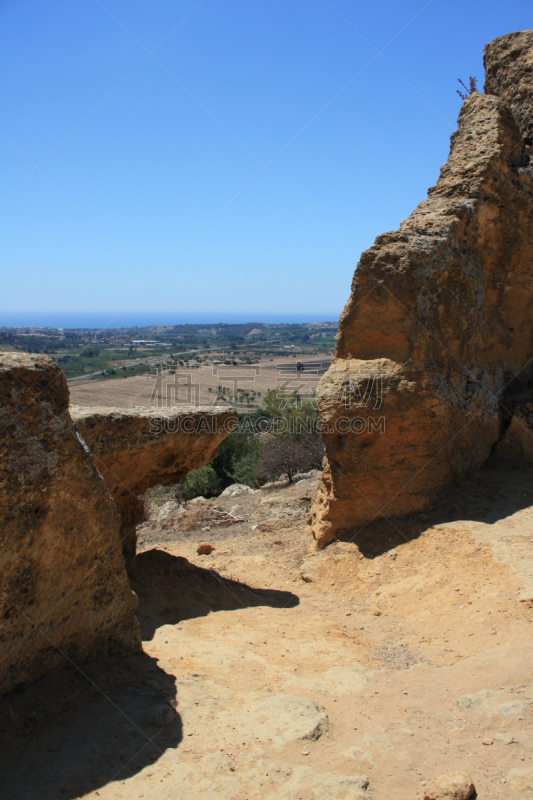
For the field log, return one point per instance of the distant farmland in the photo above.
(242, 385)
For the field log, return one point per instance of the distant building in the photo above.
(148, 343)
(119, 339)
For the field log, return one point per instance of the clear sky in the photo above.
(219, 159)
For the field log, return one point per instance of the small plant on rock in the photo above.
(469, 90)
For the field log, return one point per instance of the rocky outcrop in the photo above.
(436, 340)
(508, 64)
(64, 592)
(138, 448)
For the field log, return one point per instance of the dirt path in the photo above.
(358, 672)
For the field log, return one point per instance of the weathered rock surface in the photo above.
(136, 449)
(305, 781)
(64, 592)
(457, 786)
(435, 343)
(237, 489)
(508, 64)
(489, 703)
(279, 719)
(521, 780)
(275, 512)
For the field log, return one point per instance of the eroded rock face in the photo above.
(437, 336)
(136, 449)
(508, 64)
(64, 592)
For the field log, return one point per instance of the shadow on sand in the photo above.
(72, 731)
(171, 589)
(493, 494)
(75, 730)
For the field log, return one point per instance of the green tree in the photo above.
(203, 482)
(237, 458)
(245, 469)
(90, 352)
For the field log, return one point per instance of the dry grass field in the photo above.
(245, 385)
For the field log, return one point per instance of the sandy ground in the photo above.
(271, 671)
(192, 386)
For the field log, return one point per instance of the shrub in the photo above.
(245, 469)
(203, 482)
(237, 458)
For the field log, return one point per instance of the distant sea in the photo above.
(145, 319)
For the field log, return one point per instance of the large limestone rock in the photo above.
(436, 340)
(508, 64)
(64, 592)
(138, 448)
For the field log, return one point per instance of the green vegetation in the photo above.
(235, 463)
(294, 443)
(237, 457)
(82, 351)
(247, 455)
(280, 438)
(202, 482)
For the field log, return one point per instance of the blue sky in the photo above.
(219, 159)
